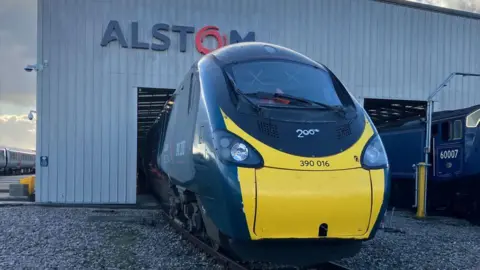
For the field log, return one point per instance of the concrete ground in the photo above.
(5, 182)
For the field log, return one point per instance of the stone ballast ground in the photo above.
(80, 238)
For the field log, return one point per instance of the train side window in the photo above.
(457, 130)
(473, 119)
(446, 131)
(434, 130)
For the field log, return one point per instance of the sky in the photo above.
(18, 22)
(18, 35)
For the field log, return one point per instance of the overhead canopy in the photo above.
(150, 104)
(386, 111)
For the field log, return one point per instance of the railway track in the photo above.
(227, 262)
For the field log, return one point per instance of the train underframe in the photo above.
(185, 208)
(16, 171)
(459, 198)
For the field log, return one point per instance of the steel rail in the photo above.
(228, 262)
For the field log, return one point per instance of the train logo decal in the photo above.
(305, 132)
(180, 150)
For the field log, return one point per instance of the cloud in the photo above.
(17, 131)
(18, 47)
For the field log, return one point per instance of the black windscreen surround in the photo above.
(330, 132)
(296, 127)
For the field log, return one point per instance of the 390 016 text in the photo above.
(313, 163)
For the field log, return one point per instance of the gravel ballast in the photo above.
(37, 237)
(432, 243)
(69, 238)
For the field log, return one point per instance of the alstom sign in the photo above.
(160, 32)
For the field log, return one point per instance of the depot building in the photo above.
(106, 67)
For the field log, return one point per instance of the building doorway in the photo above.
(390, 111)
(150, 103)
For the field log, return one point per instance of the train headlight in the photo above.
(231, 149)
(374, 155)
(239, 152)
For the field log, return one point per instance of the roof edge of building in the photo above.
(432, 8)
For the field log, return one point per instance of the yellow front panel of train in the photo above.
(293, 204)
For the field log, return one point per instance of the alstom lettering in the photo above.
(114, 32)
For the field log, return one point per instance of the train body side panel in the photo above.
(217, 184)
(3, 159)
(404, 149)
(472, 152)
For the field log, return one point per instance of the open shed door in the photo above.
(391, 111)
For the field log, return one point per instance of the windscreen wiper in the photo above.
(304, 100)
(256, 107)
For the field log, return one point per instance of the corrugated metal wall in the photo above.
(86, 98)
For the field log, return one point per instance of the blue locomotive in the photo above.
(264, 153)
(453, 176)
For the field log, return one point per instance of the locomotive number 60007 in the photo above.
(312, 163)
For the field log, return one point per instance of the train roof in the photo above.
(19, 150)
(454, 113)
(436, 116)
(247, 51)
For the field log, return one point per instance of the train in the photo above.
(453, 175)
(16, 161)
(264, 154)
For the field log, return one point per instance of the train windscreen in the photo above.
(286, 78)
(473, 119)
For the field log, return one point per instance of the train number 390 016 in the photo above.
(448, 154)
(311, 163)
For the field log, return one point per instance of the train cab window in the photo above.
(473, 119)
(434, 130)
(452, 130)
(446, 131)
(457, 130)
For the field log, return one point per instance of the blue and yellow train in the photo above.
(265, 153)
(453, 181)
